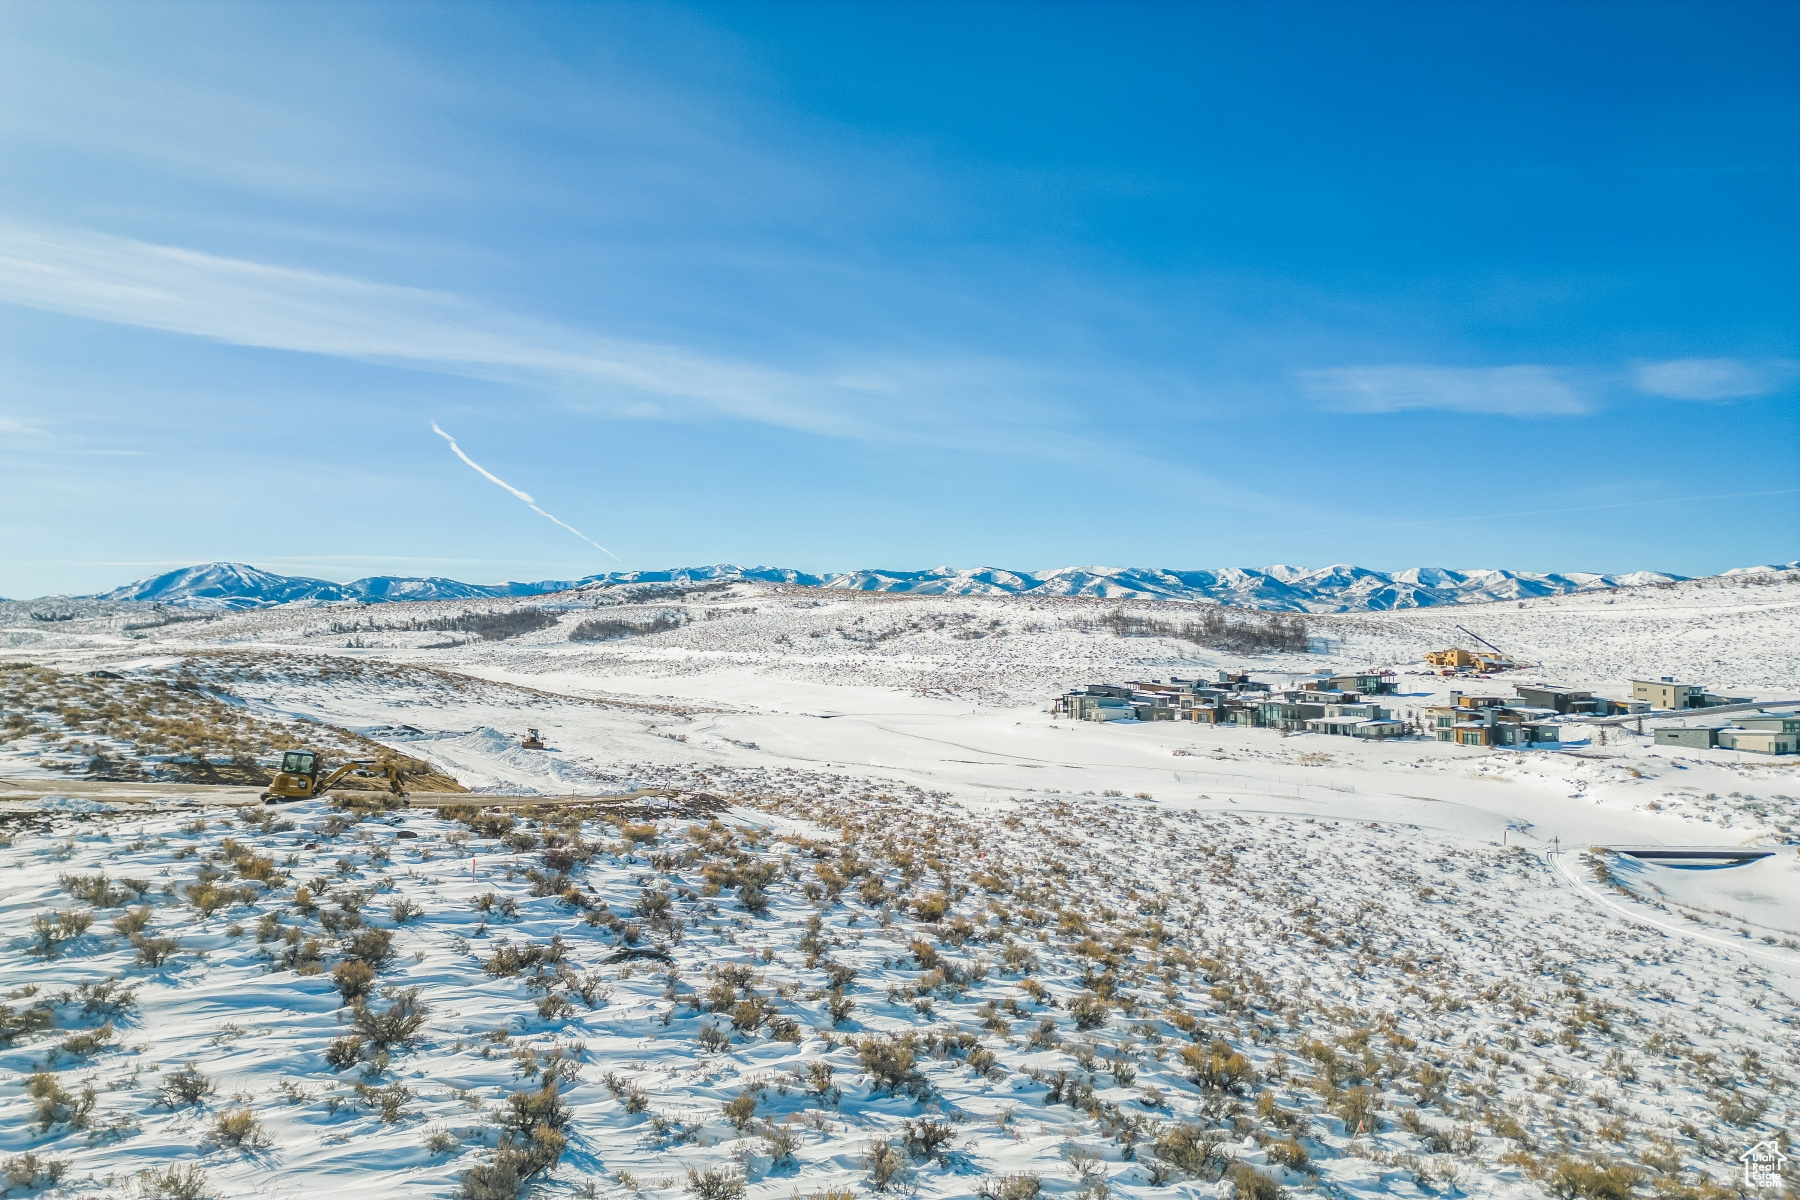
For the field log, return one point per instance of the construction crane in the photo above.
(303, 777)
(1483, 641)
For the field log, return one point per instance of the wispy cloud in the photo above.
(254, 304)
(967, 402)
(1714, 378)
(1518, 391)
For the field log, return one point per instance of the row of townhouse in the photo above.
(1159, 700)
(1235, 699)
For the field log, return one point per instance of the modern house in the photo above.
(1356, 720)
(1693, 738)
(1288, 715)
(1759, 741)
(1773, 722)
(1758, 733)
(1491, 721)
(1365, 683)
(1569, 701)
(1096, 702)
(1666, 693)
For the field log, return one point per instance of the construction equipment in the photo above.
(302, 775)
(1456, 658)
(532, 741)
(1499, 654)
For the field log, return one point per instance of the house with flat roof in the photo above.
(1571, 701)
(1368, 683)
(1697, 737)
(1774, 722)
(1355, 724)
(1758, 741)
(1666, 693)
(1490, 721)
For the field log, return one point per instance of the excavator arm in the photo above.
(363, 766)
(324, 785)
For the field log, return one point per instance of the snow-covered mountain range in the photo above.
(1338, 588)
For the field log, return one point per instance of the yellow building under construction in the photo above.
(1461, 659)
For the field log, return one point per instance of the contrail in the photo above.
(493, 478)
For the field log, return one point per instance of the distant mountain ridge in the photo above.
(1338, 588)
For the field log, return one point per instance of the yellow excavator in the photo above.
(303, 777)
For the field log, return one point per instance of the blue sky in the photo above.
(834, 286)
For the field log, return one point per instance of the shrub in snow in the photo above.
(399, 1024)
(1219, 1068)
(499, 1181)
(29, 1171)
(239, 1128)
(928, 1139)
(931, 909)
(716, 1184)
(818, 1077)
(14, 1022)
(781, 1143)
(748, 1015)
(209, 897)
(1247, 1183)
(153, 952)
(101, 892)
(1022, 1186)
(353, 979)
(886, 1165)
(1288, 1153)
(1357, 1108)
(186, 1086)
(1088, 1010)
(174, 1183)
(81, 1045)
(1573, 1179)
(51, 930)
(132, 921)
(741, 1110)
(888, 1061)
(371, 946)
(1191, 1149)
(344, 1052)
(53, 1105)
(535, 1119)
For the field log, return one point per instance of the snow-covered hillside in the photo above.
(844, 909)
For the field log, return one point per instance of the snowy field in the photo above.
(893, 928)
